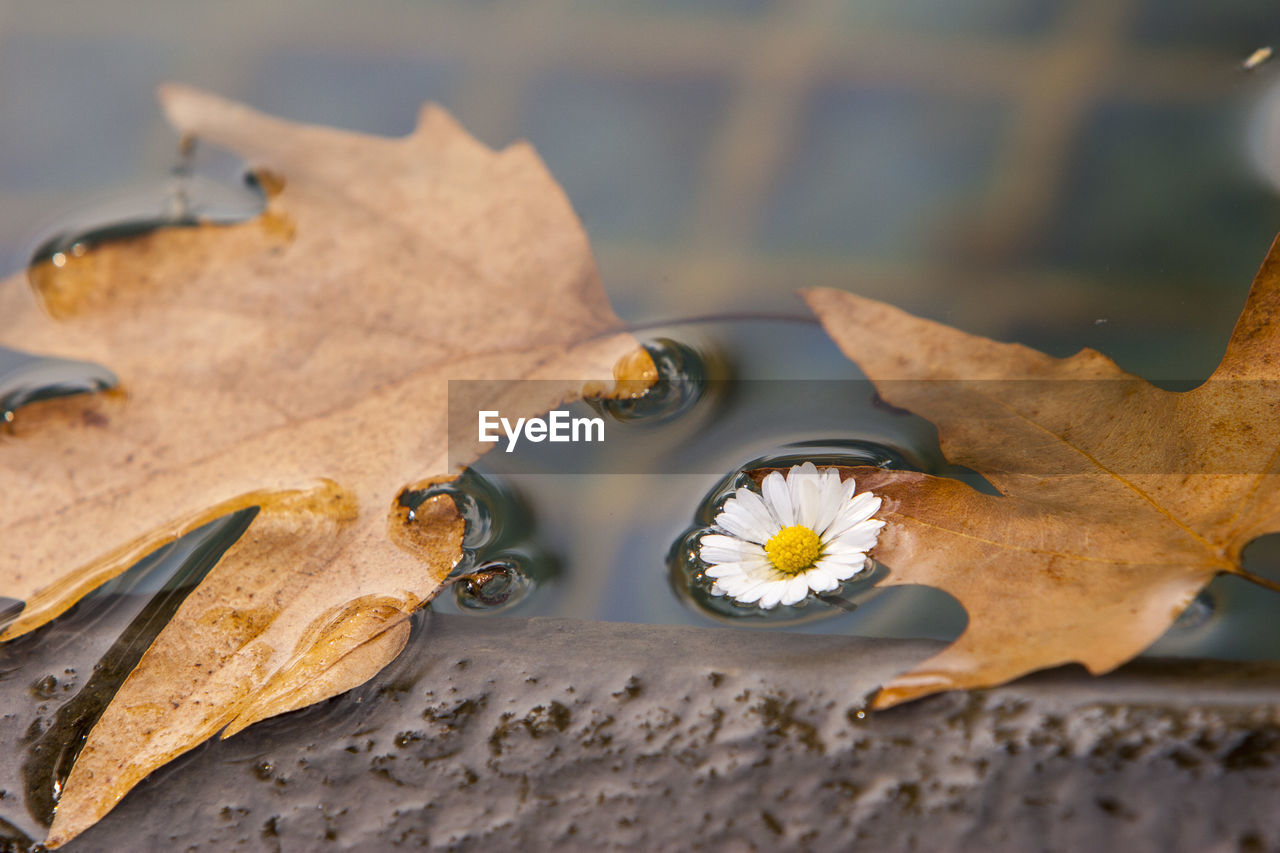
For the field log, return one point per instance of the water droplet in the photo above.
(682, 380)
(475, 498)
(45, 688)
(27, 379)
(688, 571)
(501, 564)
(495, 585)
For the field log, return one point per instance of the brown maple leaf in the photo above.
(298, 363)
(1118, 500)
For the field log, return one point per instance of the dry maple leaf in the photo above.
(298, 363)
(1118, 500)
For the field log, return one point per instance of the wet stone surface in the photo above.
(512, 733)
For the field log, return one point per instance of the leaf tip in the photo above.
(887, 697)
(433, 119)
(913, 685)
(181, 102)
(66, 828)
(828, 303)
(813, 296)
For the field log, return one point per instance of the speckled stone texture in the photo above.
(504, 733)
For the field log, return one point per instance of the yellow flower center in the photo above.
(793, 549)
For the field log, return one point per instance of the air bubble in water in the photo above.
(682, 380)
(501, 565)
(476, 500)
(495, 585)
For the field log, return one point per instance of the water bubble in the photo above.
(45, 688)
(494, 585)
(688, 572)
(27, 379)
(475, 499)
(682, 380)
(501, 564)
(60, 249)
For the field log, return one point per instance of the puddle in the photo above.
(604, 533)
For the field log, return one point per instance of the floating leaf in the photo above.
(298, 362)
(1118, 501)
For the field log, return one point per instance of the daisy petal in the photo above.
(797, 590)
(752, 506)
(741, 522)
(777, 497)
(735, 585)
(857, 510)
(821, 580)
(773, 594)
(847, 488)
(802, 481)
(858, 538)
(725, 570)
(829, 501)
(716, 548)
(840, 569)
(864, 506)
(753, 593)
(809, 503)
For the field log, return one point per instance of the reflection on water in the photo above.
(1060, 174)
(606, 530)
(610, 512)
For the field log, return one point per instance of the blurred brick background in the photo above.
(1021, 168)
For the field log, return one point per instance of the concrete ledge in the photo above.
(501, 733)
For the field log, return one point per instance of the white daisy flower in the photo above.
(806, 531)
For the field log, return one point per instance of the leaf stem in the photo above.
(1265, 583)
(726, 317)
